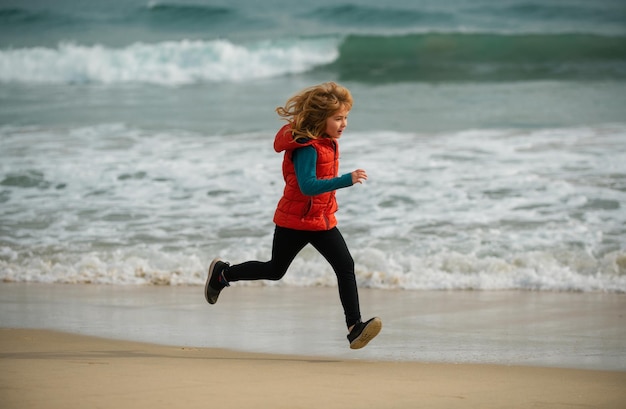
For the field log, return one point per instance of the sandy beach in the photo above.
(48, 369)
(76, 346)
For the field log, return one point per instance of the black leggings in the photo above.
(287, 244)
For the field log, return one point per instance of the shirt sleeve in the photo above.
(305, 161)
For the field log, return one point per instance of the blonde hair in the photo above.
(308, 110)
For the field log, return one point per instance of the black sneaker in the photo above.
(364, 332)
(215, 282)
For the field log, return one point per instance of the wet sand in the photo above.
(76, 346)
(47, 369)
(568, 330)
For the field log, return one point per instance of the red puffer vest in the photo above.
(295, 210)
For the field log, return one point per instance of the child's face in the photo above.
(336, 123)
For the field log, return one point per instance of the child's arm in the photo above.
(304, 161)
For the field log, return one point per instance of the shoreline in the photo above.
(51, 369)
(559, 330)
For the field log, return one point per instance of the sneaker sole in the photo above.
(369, 332)
(206, 286)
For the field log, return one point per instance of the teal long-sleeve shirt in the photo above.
(305, 162)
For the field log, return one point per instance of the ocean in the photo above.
(136, 139)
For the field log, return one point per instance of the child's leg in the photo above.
(286, 245)
(332, 246)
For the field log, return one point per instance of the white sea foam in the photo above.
(166, 63)
(536, 271)
(486, 210)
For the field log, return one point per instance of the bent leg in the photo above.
(286, 245)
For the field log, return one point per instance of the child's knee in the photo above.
(275, 276)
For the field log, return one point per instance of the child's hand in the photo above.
(358, 176)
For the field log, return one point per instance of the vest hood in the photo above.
(283, 141)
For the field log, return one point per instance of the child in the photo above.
(305, 214)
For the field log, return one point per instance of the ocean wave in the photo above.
(531, 271)
(166, 15)
(365, 16)
(25, 24)
(429, 57)
(153, 12)
(15, 16)
(169, 14)
(537, 209)
(584, 11)
(481, 57)
(166, 63)
(186, 10)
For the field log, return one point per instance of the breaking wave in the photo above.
(431, 57)
(166, 63)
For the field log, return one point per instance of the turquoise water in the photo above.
(135, 139)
